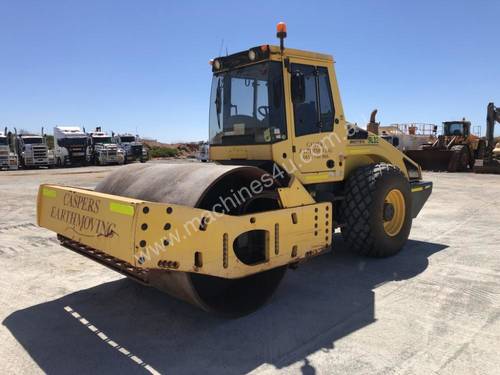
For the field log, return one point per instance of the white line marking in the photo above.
(110, 342)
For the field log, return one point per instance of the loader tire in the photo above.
(376, 210)
(460, 159)
(481, 150)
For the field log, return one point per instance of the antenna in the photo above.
(221, 45)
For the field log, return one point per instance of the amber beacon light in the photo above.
(281, 34)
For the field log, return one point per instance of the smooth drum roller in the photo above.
(202, 186)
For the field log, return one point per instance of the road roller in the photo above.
(287, 171)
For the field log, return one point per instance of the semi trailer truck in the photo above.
(133, 148)
(70, 144)
(101, 150)
(31, 149)
(8, 159)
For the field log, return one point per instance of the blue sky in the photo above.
(128, 65)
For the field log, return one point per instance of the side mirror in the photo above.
(395, 141)
(298, 87)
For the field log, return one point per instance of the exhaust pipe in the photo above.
(373, 125)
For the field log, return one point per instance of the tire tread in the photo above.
(359, 192)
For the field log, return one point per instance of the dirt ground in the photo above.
(433, 308)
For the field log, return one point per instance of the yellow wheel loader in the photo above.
(454, 151)
(289, 169)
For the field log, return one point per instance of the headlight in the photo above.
(251, 55)
(217, 64)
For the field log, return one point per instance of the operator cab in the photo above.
(247, 105)
(456, 128)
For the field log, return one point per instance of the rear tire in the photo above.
(369, 228)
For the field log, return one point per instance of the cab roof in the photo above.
(291, 52)
(264, 53)
(69, 129)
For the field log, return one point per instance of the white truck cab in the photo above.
(203, 153)
(8, 159)
(134, 150)
(70, 144)
(32, 150)
(102, 151)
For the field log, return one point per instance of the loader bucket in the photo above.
(430, 159)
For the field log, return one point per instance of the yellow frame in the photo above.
(118, 226)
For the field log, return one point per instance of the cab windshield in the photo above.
(101, 139)
(455, 128)
(3, 141)
(246, 105)
(32, 141)
(76, 141)
(127, 139)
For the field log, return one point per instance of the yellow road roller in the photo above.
(288, 170)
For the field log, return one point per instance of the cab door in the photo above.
(316, 144)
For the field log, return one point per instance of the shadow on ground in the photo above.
(322, 301)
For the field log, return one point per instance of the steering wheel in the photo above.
(263, 110)
(249, 121)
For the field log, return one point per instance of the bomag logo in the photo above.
(314, 150)
(78, 212)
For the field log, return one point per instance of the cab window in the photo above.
(314, 112)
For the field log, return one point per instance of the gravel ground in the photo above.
(433, 308)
